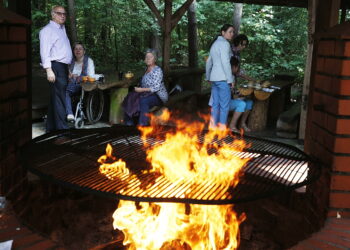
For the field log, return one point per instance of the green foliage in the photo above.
(278, 40)
(116, 33)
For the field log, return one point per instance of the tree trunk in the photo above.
(116, 55)
(156, 43)
(258, 116)
(155, 38)
(73, 26)
(88, 38)
(343, 12)
(192, 36)
(167, 37)
(237, 15)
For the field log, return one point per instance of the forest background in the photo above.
(117, 32)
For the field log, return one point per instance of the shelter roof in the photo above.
(290, 3)
(7, 16)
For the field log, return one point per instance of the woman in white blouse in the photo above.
(81, 65)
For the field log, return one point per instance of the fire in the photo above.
(192, 156)
(109, 168)
(156, 225)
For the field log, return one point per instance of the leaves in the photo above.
(117, 32)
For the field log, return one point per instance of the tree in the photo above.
(155, 38)
(192, 36)
(237, 15)
(72, 18)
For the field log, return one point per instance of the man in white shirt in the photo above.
(56, 54)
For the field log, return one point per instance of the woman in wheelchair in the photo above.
(81, 65)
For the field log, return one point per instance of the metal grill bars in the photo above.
(70, 158)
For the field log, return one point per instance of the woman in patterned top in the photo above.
(152, 90)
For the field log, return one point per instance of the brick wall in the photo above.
(15, 100)
(329, 126)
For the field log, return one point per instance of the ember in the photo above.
(183, 157)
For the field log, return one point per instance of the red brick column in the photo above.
(15, 101)
(329, 131)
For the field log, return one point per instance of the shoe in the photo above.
(246, 129)
(70, 118)
(235, 130)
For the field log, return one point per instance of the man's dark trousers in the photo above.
(56, 116)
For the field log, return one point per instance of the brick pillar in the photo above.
(329, 120)
(15, 101)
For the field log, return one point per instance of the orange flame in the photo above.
(155, 225)
(109, 169)
(195, 157)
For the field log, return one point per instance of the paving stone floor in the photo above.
(14, 235)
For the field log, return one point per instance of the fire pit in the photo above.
(158, 191)
(69, 158)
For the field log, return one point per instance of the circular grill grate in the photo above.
(70, 158)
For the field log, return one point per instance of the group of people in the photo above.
(222, 70)
(64, 69)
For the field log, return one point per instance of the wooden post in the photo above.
(21, 7)
(307, 72)
(167, 23)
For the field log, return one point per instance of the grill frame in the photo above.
(81, 146)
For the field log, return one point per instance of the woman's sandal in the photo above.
(235, 130)
(246, 129)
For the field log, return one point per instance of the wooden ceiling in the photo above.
(290, 3)
(345, 4)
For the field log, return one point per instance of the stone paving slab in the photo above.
(334, 235)
(15, 236)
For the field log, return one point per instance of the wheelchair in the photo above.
(92, 102)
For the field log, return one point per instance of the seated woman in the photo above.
(239, 43)
(81, 65)
(152, 92)
(240, 104)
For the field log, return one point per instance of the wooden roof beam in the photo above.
(288, 3)
(156, 12)
(179, 13)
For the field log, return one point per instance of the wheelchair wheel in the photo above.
(79, 123)
(94, 106)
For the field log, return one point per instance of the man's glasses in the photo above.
(60, 13)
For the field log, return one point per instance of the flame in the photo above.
(194, 157)
(154, 225)
(108, 169)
